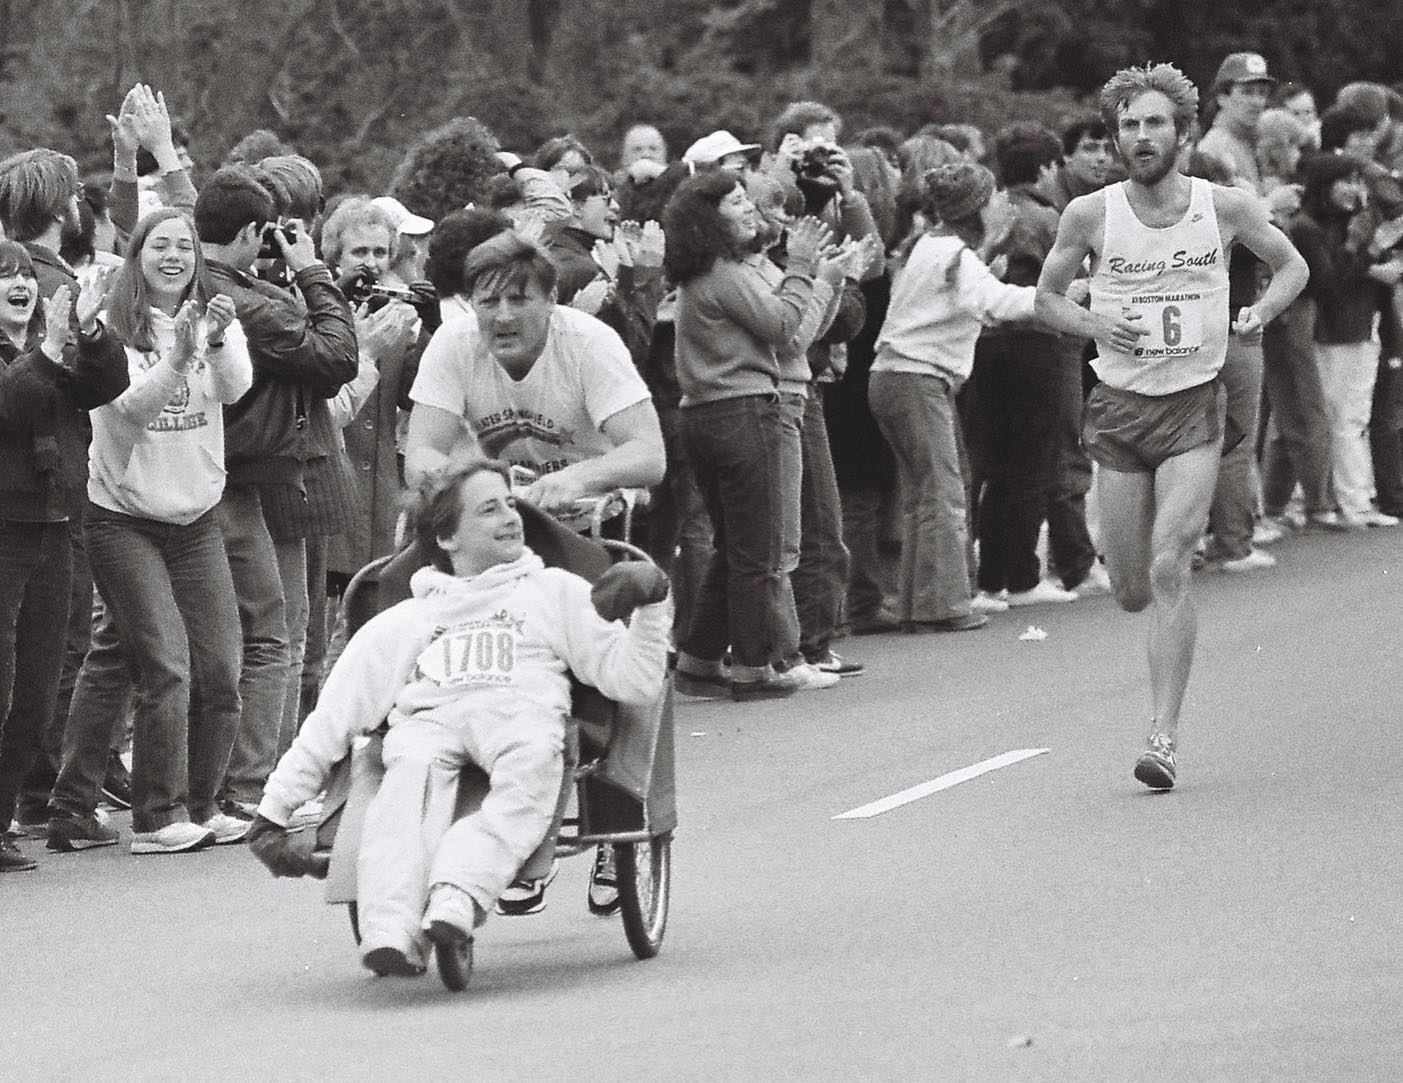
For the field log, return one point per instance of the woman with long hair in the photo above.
(738, 318)
(156, 472)
(925, 352)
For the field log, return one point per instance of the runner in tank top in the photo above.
(1158, 245)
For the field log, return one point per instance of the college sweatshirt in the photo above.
(939, 302)
(503, 642)
(158, 448)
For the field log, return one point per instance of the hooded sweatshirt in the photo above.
(158, 448)
(501, 643)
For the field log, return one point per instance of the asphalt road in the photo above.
(1047, 920)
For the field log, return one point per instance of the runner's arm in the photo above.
(434, 433)
(1080, 223)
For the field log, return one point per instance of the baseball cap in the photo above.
(1242, 68)
(712, 148)
(400, 215)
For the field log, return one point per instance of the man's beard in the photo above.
(1150, 172)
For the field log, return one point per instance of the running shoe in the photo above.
(391, 963)
(227, 829)
(524, 897)
(604, 883)
(180, 837)
(12, 858)
(1155, 767)
(984, 602)
(1255, 558)
(69, 833)
(1041, 594)
(834, 662)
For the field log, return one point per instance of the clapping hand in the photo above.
(387, 332)
(807, 239)
(58, 316)
(608, 255)
(219, 314)
(647, 245)
(591, 299)
(187, 322)
(91, 298)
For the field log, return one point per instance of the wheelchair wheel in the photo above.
(453, 953)
(645, 881)
(353, 912)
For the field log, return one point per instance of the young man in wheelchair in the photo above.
(471, 669)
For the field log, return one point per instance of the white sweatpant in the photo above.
(1347, 374)
(409, 841)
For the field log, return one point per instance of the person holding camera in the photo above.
(303, 349)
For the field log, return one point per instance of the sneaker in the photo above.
(984, 602)
(604, 883)
(306, 814)
(1045, 592)
(117, 786)
(880, 623)
(1255, 558)
(12, 858)
(836, 663)
(1371, 518)
(1267, 532)
(226, 829)
(1327, 522)
(391, 963)
(70, 833)
(960, 622)
(452, 914)
(180, 837)
(810, 677)
(19, 829)
(771, 686)
(1097, 581)
(1155, 767)
(698, 686)
(524, 897)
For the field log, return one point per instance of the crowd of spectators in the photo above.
(216, 385)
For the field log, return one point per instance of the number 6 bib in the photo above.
(1174, 325)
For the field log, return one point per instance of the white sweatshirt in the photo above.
(939, 302)
(499, 642)
(158, 448)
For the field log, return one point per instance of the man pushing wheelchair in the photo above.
(474, 668)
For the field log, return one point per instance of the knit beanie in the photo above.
(957, 190)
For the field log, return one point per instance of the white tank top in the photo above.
(1176, 279)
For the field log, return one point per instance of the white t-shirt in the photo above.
(552, 417)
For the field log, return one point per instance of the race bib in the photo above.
(1174, 323)
(479, 653)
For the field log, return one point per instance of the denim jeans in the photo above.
(35, 571)
(1298, 432)
(679, 531)
(745, 457)
(917, 415)
(172, 602)
(872, 575)
(43, 773)
(1386, 436)
(1234, 509)
(820, 581)
(1017, 390)
(1347, 374)
(263, 680)
(1070, 549)
(292, 570)
(97, 717)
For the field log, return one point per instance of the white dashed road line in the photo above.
(944, 782)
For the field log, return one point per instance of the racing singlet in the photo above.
(1176, 279)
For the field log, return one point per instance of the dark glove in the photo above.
(626, 586)
(424, 298)
(285, 853)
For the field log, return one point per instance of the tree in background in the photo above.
(352, 83)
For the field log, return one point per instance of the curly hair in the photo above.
(447, 168)
(451, 241)
(1129, 83)
(299, 183)
(697, 235)
(353, 212)
(798, 116)
(1278, 134)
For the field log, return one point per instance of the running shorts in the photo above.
(1134, 433)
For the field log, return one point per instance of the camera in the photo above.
(269, 249)
(816, 163)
